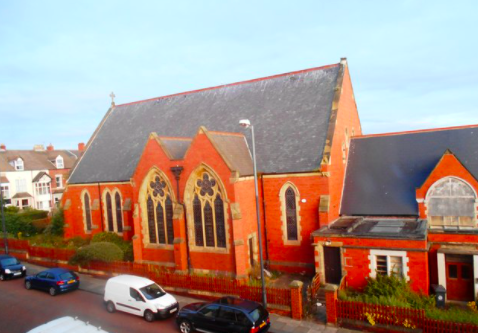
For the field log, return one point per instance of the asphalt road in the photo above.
(22, 310)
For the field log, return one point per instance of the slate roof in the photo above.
(383, 171)
(233, 148)
(290, 113)
(176, 147)
(375, 228)
(38, 160)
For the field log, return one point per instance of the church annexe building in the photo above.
(174, 175)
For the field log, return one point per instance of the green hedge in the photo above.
(125, 246)
(101, 251)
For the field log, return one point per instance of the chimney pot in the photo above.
(81, 146)
(3, 147)
(50, 147)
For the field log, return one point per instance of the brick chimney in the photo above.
(3, 147)
(50, 147)
(81, 146)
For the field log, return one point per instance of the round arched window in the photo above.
(451, 202)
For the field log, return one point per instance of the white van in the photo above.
(139, 296)
(67, 325)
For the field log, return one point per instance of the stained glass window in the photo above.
(198, 221)
(169, 220)
(208, 209)
(87, 211)
(160, 223)
(109, 212)
(291, 214)
(151, 224)
(119, 212)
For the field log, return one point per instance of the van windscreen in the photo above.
(152, 291)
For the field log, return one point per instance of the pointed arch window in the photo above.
(291, 228)
(159, 211)
(113, 210)
(208, 211)
(109, 212)
(291, 213)
(87, 211)
(119, 212)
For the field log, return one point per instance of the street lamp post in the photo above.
(247, 124)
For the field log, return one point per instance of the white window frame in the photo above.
(5, 190)
(43, 188)
(59, 162)
(373, 262)
(59, 184)
(19, 165)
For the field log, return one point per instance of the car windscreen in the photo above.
(258, 313)
(152, 291)
(10, 261)
(67, 276)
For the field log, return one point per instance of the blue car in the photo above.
(10, 267)
(54, 280)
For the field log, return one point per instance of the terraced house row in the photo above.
(174, 174)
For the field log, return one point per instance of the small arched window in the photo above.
(289, 198)
(87, 211)
(159, 210)
(208, 212)
(109, 212)
(291, 213)
(119, 212)
(451, 202)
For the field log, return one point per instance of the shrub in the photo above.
(11, 210)
(57, 222)
(33, 214)
(48, 240)
(110, 237)
(16, 224)
(100, 251)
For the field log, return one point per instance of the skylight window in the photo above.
(59, 162)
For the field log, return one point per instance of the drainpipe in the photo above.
(265, 216)
(177, 173)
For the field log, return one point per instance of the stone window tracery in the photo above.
(451, 202)
(208, 213)
(159, 208)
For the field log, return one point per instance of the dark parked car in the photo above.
(10, 267)
(54, 280)
(227, 314)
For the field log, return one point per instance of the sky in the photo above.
(413, 63)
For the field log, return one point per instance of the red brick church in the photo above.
(174, 174)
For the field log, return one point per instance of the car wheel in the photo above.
(52, 291)
(185, 326)
(148, 316)
(2, 277)
(110, 307)
(28, 285)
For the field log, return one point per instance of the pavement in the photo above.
(279, 324)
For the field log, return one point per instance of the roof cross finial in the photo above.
(112, 95)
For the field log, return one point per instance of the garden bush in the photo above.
(110, 237)
(18, 225)
(57, 222)
(100, 251)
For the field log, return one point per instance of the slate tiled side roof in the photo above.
(383, 171)
(37, 160)
(176, 147)
(290, 114)
(233, 148)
